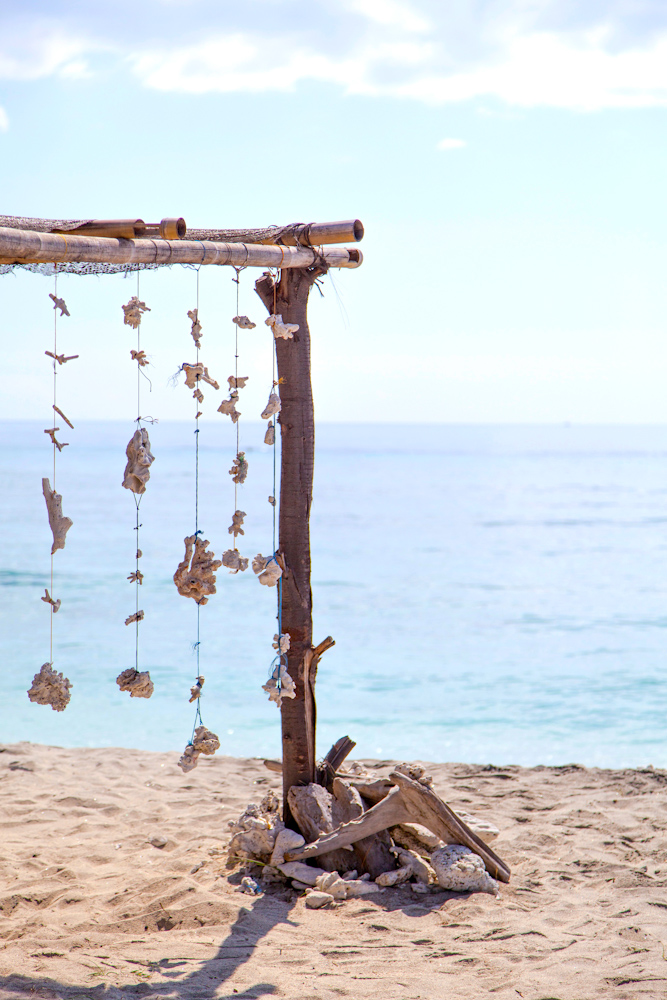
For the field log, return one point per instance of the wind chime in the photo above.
(136, 476)
(195, 574)
(49, 687)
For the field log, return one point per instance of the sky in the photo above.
(507, 159)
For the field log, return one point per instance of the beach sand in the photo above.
(90, 909)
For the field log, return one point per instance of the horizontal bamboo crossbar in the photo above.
(22, 246)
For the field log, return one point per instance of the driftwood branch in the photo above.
(409, 802)
(19, 246)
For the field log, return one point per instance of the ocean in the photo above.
(496, 593)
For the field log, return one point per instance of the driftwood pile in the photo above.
(367, 834)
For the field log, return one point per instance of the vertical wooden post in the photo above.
(289, 297)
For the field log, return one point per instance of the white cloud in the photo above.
(451, 144)
(519, 53)
(4, 120)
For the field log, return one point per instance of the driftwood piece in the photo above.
(50, 688)
(55, 605)
(239, 469)
(244, 323)
(59, 304)
(193, 314)
(312, 808)
(137, 682)
(270, 436)
(133, 311)
(195, 575)
(62, 359)
(60, 413)
(371, 854)
(197, 373)
(414, 802)
(59, 525)
(139, 460)
(51, 431)
(234, 561)
(342, 748)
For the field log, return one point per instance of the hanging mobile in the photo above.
(137, 473)
(195, 574)
(49, 687)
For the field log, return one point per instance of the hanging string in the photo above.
(55, 401)
(137, 504)
(198, 712)
(281, 658)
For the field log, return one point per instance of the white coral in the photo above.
(244, 323)
(270, 436)
(235, 528)
(50, 688)
(457, 868)
(280, 685)
(234, 561)
(228, 406)
(273, 406)
(280, 329)
(137, 682)
(267, 569)
(281, 642)
(203, 741)
(193, 314)
(133, 312)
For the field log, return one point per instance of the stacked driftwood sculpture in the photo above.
(367, 834)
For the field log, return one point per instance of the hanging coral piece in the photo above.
(59, 525)
(234, 561)
(140, 358)
(273, 406)
(195, 690)
(237, 381)
(267, 569)
(139, 461)
(199, 396)
(280, 685)
(55, 605)
(196, 373)
(50, 688)
(272, 501)
(235, 528)
(244, 323)
(61, 358)
(203, 741)
(270, 436)
(137, 682)
(59, 304)
(239, 469)
(51, 431)
(282, 642)
(193, 314)
(133, 312)
(136, 576)
(228, 406)
(138, 616)
(194, 576)
(280, 329)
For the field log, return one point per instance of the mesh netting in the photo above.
(267, 235)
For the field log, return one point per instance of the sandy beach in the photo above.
(89, 908)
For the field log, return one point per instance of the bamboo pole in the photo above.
(21, 246)
(319, 233)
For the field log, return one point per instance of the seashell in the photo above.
(139, 460)
(458, 869)
(280, 329)
(273, 406)
(244, 323)
(137, 682)
(50, 688)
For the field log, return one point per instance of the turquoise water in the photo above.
(496, 593)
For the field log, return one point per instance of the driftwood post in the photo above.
(289, 297)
